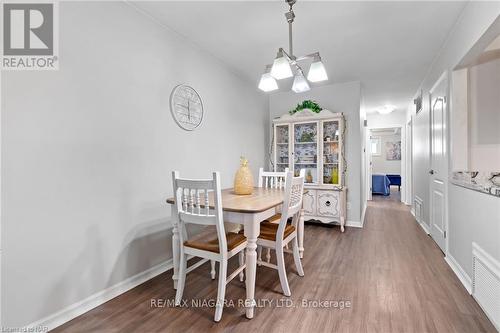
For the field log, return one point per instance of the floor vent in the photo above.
(486, 283)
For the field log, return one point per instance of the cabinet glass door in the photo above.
(306, 150)
(282, 147)
(331, 144)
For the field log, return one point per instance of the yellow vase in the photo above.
(243, 180)
(335, 176)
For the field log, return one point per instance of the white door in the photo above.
(369, 163)
(439, 171)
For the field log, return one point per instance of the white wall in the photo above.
(474, 217)
(337, 98)
(87, 154)
(484, 116)
(459, 122)
(379, 162)
(463, 227)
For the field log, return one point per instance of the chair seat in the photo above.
(268, 230)
(274, 219)
(211, 243)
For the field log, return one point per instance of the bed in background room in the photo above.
(381, 184)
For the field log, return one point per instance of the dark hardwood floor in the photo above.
(391, 272)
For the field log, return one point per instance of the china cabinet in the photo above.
(314, 142)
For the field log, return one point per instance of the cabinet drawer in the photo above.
(309, 202)
(328, 203)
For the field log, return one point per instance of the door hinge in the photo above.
(445, 234)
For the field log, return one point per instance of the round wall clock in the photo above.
(186, 107)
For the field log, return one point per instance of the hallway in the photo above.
(390, 271)
(405, 263)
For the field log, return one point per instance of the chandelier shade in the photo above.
(267, 82)
(281, 67)
(300, 83)
(317, 71)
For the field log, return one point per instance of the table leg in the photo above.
(175, 252)
(252, 231)
(300, 233)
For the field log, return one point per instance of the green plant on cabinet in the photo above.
(307, 104)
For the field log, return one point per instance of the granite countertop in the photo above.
(486, 182)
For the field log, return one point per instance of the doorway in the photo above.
(386, 163)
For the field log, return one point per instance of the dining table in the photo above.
(247, 210)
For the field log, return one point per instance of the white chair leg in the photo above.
(182, 278)
(268, 255)
(221, 292)
(282, 271)
(259, 254)
(296, 257)
(241, 259)
(212, 270)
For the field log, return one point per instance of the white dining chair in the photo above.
(277, 236)
(272, 179)
(192, 205)
(278, 179)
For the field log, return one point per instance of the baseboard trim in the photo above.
(424, 227)
(354, 224)
(363, 214)
(412, 212)
(101, 297)
(459, 272)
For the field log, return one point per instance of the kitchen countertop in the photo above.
(485, 182)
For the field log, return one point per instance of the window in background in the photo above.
(375, 145)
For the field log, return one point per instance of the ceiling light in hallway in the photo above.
(386, 109)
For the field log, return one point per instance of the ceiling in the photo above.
(388, 46)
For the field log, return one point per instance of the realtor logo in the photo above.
(29, 36)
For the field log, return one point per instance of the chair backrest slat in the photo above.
(292, 203)
(272, 179)
(198, 203)
(207, 205)
(190, 207)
